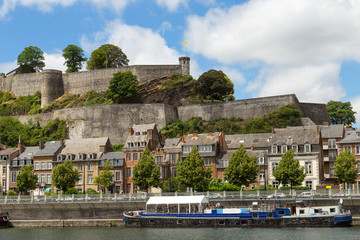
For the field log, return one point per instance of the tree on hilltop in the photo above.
(107, 56)
(215, 85)
(123, 88)
(74, 57)
(340, 112)
(31, 60)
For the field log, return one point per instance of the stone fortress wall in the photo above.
(113, 121)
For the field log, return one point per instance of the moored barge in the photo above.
(194, 211)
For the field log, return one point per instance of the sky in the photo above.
(266, 47)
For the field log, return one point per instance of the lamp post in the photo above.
(264, 173)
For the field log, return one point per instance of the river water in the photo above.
(180, 233)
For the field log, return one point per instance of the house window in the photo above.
(226, 163)
(117, 175)
(36, 165)
(43, 165)
(80, 156)
(90, 156)
(173, 172)
(90, 167)
(332, 143)
(4, 169)
(79, 167)
(274, 149)
(308, 168)
(261, 160)
(13, 177)
(137, 133)
(173, 158)
(128, 172)
(15, 163)
(332, 155)
(187, 149)
(357, 150)
(275, 184)
(307, 148)
(59, 158)
(135, 156)
(89, 178)
(283, 148)
(358, 166)
(158, 159)
(42, 178)
(295, 148)
(262, 176)
(129, 144)
(48, 165)
(48, 178)
(21, 162)
(205, 148)
(309, 184)
(80, 180)
(347, 147)
(274, 165)
(128, 157)
(207, 161)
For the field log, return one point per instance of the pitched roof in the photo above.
(139, 128)
(171, 143)
(351, 137)
(332, 131)
(200, 139)
(8, 151)
(296, 135)
(50, 148)
(84, 145)
(28, 153)
(248, 140)
(112, 155)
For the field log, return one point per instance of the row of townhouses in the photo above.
(316, 148)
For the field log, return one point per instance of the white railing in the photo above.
(143, 196)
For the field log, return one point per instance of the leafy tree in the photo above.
(215, 85)
(117, 147)
(31, 60)
(26, 180)
(123, 88)
(174, 185)
(146, 173)
(340, 112)
(242, 169)
(105, 177)
(192, 173)
(289, 171)
(2, 75)
(74, 57)
(107, 56)
(11, 193)
(344, 167)
(64, 176)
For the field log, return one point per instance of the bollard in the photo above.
(207, 194)
(115, 197)
(241, 193)
(257, 193)
(32, 198)
(6, 198)
(18, 200)
(86, 197)
(45, 198)
(101, 196)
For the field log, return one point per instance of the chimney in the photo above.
(150, 134)
(41, 145)
(103, 148)
(272, 130)
(20, 147)
(131, 131)
(61, 142)
(325, 124)
(318, 131)
(252, 148)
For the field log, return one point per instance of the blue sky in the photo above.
(266, 47)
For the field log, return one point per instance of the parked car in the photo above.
(277, 195)
(306, 194)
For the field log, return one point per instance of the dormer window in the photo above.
(137, 133)
(295, 148)
(261, 160)
(90, 156)
(274, 149)
(129, 144)
(80, 156)
(144, 133)
(283, 148)
(143, 144)
(307, 148)
(94, 155)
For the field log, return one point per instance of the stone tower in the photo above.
(185, 65)
(52, 86)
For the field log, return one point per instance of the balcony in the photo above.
(326, 159)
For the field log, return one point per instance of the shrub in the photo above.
(11, 193)
(72, 191)
(91, 191)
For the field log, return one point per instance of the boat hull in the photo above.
(218, 221)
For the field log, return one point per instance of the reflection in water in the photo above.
(180, 233)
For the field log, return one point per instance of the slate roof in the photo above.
(296, 135)
(332, 131)
(351, 138)
(28, 153)
(49, 149)
(85, 145)
(171, 143)
(112, 155)
(248, 140)
(8, 151)
(139, 128)
(201, 139)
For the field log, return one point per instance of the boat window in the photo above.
(301, 211)
(151, 221)
(269, 215)
(255, 215)
(179, 221)
(221, 222)
(316, 210)
(281, 212)
(243, 222)
(332, 209)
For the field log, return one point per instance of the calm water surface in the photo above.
(186, 233)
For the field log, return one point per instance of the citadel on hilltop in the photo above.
(114, 120)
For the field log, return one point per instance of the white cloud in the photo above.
(7, 67)
(54, 61)
(234, 74)
(355, 103)
(165, 26)
(171, 5)
(319, 83)
(141, 45)
(49, 5)
(298, 45)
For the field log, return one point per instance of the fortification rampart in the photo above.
(113, 121)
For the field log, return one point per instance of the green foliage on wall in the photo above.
(31, 133)
(23, 105)
(288, 115)
(117, 147)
